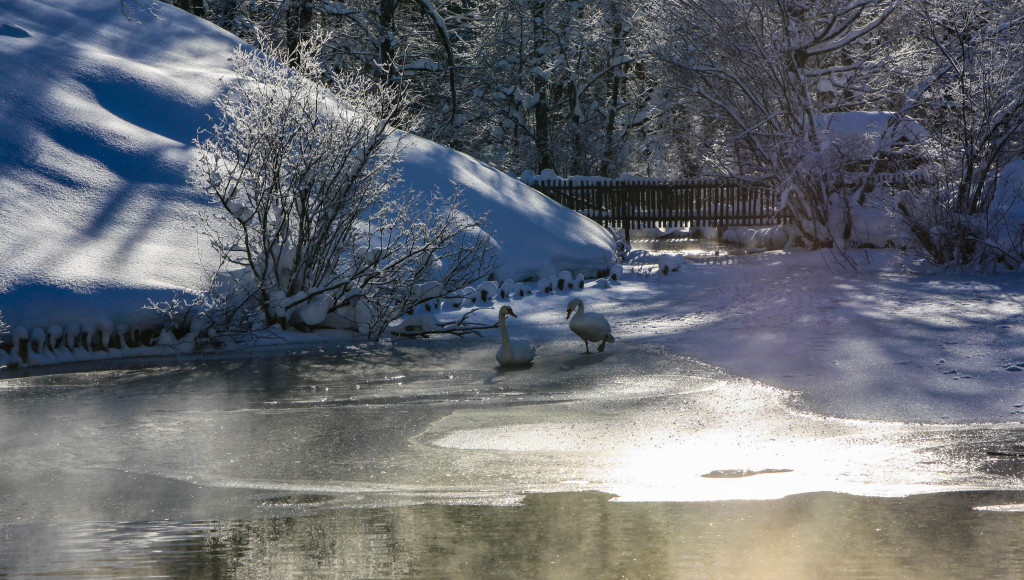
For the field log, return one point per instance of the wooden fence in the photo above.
(632, 204)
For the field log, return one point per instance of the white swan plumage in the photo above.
(589, 326)
(514, 351)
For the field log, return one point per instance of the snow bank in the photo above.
(96, 127)
(537, 237)
(1008, 207)
(94, 148)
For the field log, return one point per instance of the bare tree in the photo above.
(402, 42)
(972, 97)
(305, 173)
(767, 77)
(555, 85)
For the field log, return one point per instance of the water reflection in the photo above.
(568, 535)
(423, 460)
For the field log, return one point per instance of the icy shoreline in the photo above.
(874, 343)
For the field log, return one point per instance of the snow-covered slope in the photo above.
(97, 115)
(538, 237)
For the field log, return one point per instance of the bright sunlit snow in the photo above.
(97, 119)
(96, 217)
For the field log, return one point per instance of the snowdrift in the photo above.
(98, 116)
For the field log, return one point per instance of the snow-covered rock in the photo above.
(564, 280)
(486, 292)
(671, 263)
(507, 289)
(418, 324)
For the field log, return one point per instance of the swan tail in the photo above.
(609, 338)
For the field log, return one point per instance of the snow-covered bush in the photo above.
(823, 186)
(965, 216)
(770, 95)
(507, 289)
(986, 236)
(313, 213)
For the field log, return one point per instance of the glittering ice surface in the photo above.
(437, 422)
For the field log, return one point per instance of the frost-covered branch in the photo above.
(305, 173)
(769, 78)
(419, 326)
(973, 96)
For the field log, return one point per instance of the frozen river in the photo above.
(425, 460)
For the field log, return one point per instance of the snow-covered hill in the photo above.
(97, 115)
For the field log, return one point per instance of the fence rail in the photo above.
(632, 204)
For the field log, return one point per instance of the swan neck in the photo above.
(579, 309)
(505, 342)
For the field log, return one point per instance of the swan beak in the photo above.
(512, 314)
(568, 314)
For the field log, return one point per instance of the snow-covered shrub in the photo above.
(177, 313)
(987, 235)
(313, 214)
(832, 181)
(418, 324)
(967, 216)
(778, 83)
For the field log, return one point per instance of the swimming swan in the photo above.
(590, 327)
(513, 352)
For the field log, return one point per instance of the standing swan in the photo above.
(513, 352)
(590, 327)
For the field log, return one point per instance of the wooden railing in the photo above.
(642, 203)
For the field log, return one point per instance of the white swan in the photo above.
(590, 327)
(513, 352)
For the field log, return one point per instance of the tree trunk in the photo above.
(542, 121)
(389, 41)
(610, 146)
(299, 17)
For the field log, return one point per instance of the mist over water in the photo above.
(426, 459)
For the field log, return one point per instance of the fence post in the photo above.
(627, 210)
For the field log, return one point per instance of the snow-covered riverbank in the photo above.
(876, 342)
